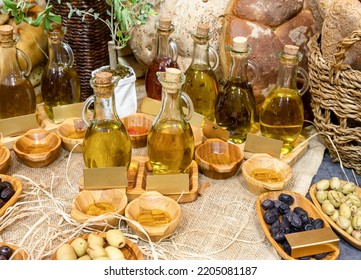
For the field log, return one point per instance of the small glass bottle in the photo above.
(60, 83)
(106, 141)
(282, 113)
(17, 95)
(170, 140)
(201, 82)
(235, 103)
(166, 56)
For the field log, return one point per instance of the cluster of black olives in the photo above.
(283, 220)
(6, 192)
(5, 252)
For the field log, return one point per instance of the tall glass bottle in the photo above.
(201, 82)
(235, 103)
(166, 56)
(106, 141)
(282, 113)
(170, 140)
(17, 95)
(60, 83)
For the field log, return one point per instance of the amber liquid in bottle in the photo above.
(17, 99)
(107, 145)
(170, 147)
(282, 117)
(235, 107)
(201, 87)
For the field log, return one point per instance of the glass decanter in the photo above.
(166, 56)
(201, 82)
(17, 94)
(106, 141)
(170, 140)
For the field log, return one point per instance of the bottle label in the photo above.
(105, 178)
(68, 111)
(18, 125)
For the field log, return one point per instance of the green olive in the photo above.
(343, 222)
(349, 187)
(356, 234)
(321, 196)
(335, 215)
(323, 185)
(345, 210)
(355, 199)
(327, 207)
(334, 198)
(356, 222)
(335, 183)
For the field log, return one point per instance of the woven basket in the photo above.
(336, 101)
(88, 38)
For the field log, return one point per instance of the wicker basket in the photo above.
(336, 101)
(88, 38)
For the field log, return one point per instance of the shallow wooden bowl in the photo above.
(131, 251)
(151, 200)
(18, 187)
(4, 159)
(72, 132)
(268, 162)
(138, 126)
(217, 159)
(18, 254)
(37, 147)
(300, 201)
(84, 199)
(348, 237)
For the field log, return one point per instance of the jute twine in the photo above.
(219, 224)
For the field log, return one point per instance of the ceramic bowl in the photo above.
(18, 188)
(138, 126)
(218, 159)
(18, 254)
(4, 159)
(83, 200)
(72, 132)
(272, 173)
(148, 201)
(37, 147)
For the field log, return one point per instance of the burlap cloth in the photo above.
(220, 224)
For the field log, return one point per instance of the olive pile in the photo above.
(5, 252)
(283, 220)
(6, 192)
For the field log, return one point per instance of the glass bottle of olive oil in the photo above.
(60, 83)
(106, 141)
(170, 140)
(235, 103)
(201, 82)
(282, 113)
(17, 95)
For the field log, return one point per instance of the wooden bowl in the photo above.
(261, 163)
(130, 250)
(138, 126)
(18, 187)
(18, 254)
(37, 147)
(72, 132)
(300, 201)
(4, 159)
(218, 159)
(116, 197)
(348, 237)
(152, 200)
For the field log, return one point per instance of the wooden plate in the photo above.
(18, 187)
(300, 201)
(20, 254)
(348, 237)
(130, 250)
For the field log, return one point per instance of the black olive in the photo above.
(286, 198)
(318, 223)
(288, 216)
(278, 235)
(276, 224)
(308, 227)
(2, 203)
(285, 226)
(3, 258)
(7, 193)
(287, 247)
(305, 258)
(296, 221)
(271, 215)
(283, 208)
(320, 256)
(267, 204)
(304, 218)
(300, 210)
(6, 251)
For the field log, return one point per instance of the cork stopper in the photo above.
(6, 33)
(165, 23)
(103, 78)
(173, 75)
(291, 50)
(240, 44)
(202, 29)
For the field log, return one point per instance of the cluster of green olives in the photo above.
(6, 192)
(340, 201)
(283, 220)
(5, 252)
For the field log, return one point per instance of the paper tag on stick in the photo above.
(259, 144)
(105, 178)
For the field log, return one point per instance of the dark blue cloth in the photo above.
(330, 169)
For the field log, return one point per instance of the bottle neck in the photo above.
(238, 68)
(104, 103)
(9, 63)
(163, 46)
(287, 76)
(200, 51)
(57, 53)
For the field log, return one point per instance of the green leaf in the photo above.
(47, 24)
(10, 4)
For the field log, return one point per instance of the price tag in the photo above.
(64, 112)
(260, 144)
(168, 183)
(18, 125)
(105, 178)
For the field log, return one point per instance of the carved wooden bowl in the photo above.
(4, 159)
(72, 132)
(138, 126)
